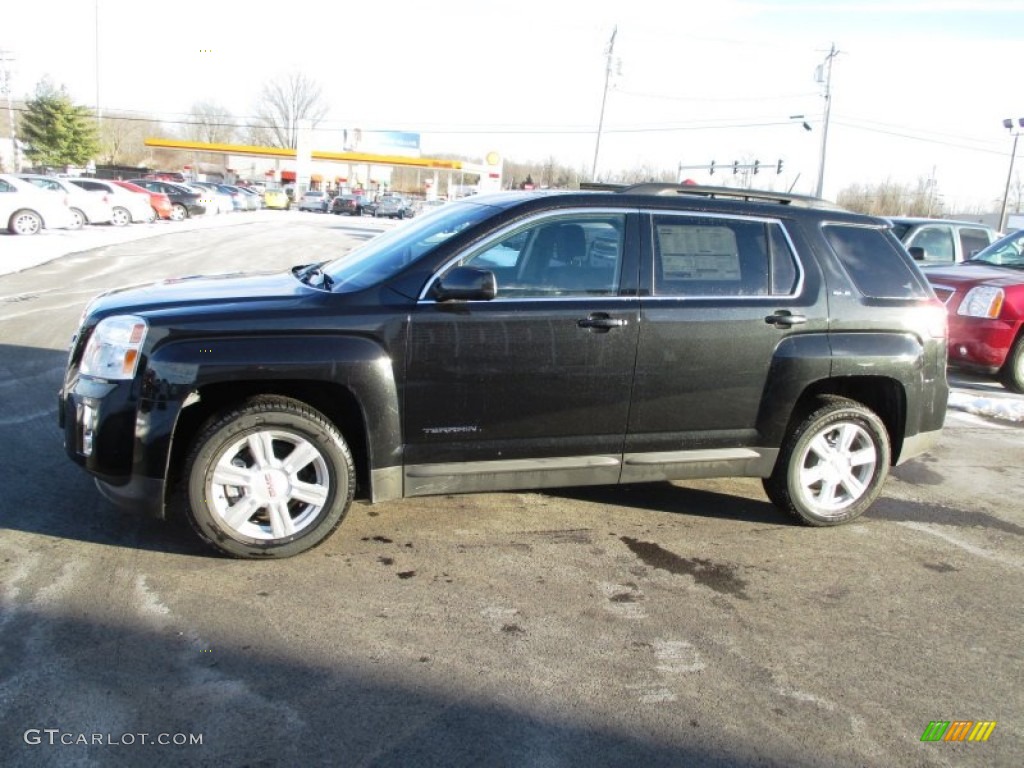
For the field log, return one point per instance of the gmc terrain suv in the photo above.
(521, 340)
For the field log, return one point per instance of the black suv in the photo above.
(521, 340)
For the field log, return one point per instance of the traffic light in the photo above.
(711, 168)
(735, 167)
(778, 168)
(757, 164)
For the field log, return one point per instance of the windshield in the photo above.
(1008, 252)
(388, 253)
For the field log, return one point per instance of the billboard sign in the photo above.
(382, 142)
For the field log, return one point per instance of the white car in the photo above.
(25, 209)
(128, 206)
(314, 200)
(213, 198)
(87, 208)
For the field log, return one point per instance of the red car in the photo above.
(984, 298)
(161, 203)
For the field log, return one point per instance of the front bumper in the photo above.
(979, 343)
(124, 442)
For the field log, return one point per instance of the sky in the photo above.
(919, 89)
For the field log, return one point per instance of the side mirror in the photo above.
(467, 284)
(916, 252)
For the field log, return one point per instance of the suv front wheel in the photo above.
(831, 468)
(270, 479)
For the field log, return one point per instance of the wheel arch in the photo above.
(349, 380)
(883, 395)
(335, 401)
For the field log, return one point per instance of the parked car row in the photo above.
(352, 204)
(32, 202)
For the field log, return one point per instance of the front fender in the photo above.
(180, 369)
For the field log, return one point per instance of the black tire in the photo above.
(120, 217)
(279, 510)
(25, 222)
(179, 212)
(832, 466)
(1012, 373)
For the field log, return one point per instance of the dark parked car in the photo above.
(519, 340)
(985, 299)
(184, 202)
(349, 203)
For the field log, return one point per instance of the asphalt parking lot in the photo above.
(662, 625)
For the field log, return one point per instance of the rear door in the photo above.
(725, 292)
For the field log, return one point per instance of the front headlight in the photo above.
(113, 348)
(982, 301)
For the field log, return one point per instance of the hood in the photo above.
(200, 291)
(975, 273)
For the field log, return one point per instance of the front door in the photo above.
(531, 388)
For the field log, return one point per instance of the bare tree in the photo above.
(211, 123)
(282, 103)
(122, 138)
(891, 199)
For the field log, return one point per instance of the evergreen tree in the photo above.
(55, 130)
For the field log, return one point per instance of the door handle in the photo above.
(599, 321)
(784, 319)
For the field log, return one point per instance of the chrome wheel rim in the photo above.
(26, 223)
(177, 213)
(120, 217)
(269, 485)
(79, 218)
(836, 468)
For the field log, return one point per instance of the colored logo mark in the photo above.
(958, 730)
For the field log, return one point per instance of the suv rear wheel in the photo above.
(831, 468)
(272, 478)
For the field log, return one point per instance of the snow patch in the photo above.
(1003, 409)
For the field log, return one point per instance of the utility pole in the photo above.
(6, 87)
(609, 52)
(96, 9)
(824, 75)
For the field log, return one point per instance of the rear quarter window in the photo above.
(876, 265)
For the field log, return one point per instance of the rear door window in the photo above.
(877, 267)
(716, 256)
(972, 241)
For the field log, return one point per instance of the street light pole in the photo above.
(1008, 124)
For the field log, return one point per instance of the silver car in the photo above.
(314, 200)
(85, 207)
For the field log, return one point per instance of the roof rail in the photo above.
(757, 195)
